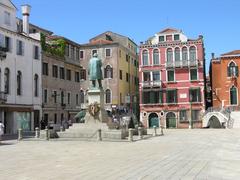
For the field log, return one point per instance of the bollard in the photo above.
(37, 132)
(154, 131)
(140, 132)
(61, 129)
(162, 130)
(20, 134)
(47, 134)
(99, 137)
(130, 135)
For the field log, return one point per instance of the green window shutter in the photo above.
(160, 97)
(151, 97)
(236, 71)
(228, 71)
(199, 95)
(175, 96)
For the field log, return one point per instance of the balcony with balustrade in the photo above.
(183, 64)
(148, 84)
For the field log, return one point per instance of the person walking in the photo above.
(1, 130)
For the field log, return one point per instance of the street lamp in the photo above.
(190, 120)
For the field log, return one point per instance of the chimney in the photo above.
(26, 12)
(213, 56)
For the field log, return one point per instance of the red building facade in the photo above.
(171, 80)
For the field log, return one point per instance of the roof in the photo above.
(100, 41)
(231, 53)
(169, 30)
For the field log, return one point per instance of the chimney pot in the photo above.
(26, 13)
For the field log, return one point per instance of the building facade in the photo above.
(120, 70)
(171, 75)
(60, 81)
(225, 79)
(20, 71)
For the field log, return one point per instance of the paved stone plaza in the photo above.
(179, 154)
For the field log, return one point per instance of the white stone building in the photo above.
(20, 71)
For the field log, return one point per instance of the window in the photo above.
(195, 95)
(184, 54)
(67, 50)
(20, 48)
(72, 51)
(82, 96)
(68, 98)
(145, 57)
(170, 76)
(169, 38)
(108, 72)
(156, 76)
(176, 37)
(120, 74)
(233, 96)
(146, 76)
(171, 96)
(81, 54)
(152, 97)
(177, 54)
(183, 115)
(232, 69)
(169, 55)
(108, 96)
(62, 97)
(94, 51)
(135, 62)
(108, 52)
(127, 77)
(127, 58)
(19, 83)
(55, 71)
(7, 81)
(155, 57)
(83, 74)
(77, 54)
(161, 38)
(195, 115)
(36, 85)
(8, 43)
(45, 69)
(69, 75)
(62, 73)
(55, 118)
(55, 96)
(192, 53)
(77, 77)
(193, 74)
(45, 95)
(35, 52)
(7, 18)
(77, 99)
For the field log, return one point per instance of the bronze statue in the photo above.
(95, 71)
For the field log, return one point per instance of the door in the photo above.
(171, 120)
(153, 120)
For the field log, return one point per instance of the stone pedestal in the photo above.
(96, 96)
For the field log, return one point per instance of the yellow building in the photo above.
(120, 69)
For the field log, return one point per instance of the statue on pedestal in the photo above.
(95, 71)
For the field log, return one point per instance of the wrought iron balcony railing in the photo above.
(152, 83)
(182, 63)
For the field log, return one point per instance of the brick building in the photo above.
(225, 79)
(171, 75)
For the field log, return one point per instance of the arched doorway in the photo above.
(153, 120)
(170, 120)
(214, 122)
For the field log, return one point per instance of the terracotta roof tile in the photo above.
(235, 52)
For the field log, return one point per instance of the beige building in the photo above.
(120, 70)
(60, 81)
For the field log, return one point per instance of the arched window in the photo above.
(82, 99)
(108, 72)
(19, 83)
(192, 53)
(36, 85)
(233, 96)
(184, 54)
(169, 55)
(177, 54)
(108, 96)
(232, 69)
(7, 81)
(145, 57)
(155, 56)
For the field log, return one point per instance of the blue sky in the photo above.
(79, 20)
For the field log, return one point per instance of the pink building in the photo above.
(171, 76)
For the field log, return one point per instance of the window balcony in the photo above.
(182, 63)
(152, 83)
(3, 97)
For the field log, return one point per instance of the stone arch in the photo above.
(214, 122)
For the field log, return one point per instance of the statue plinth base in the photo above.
(96, 96)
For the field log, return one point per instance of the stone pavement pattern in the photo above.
(180, 154)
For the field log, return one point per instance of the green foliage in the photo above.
(43, 41)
